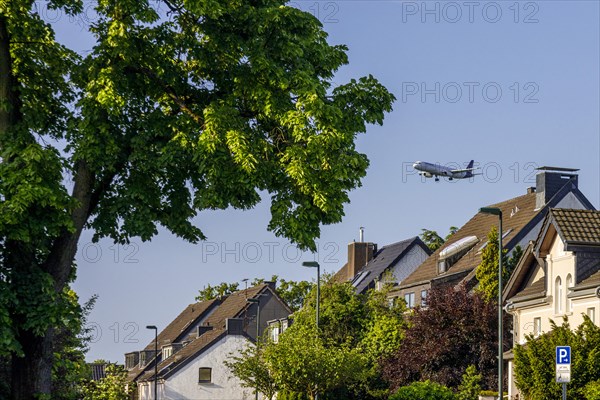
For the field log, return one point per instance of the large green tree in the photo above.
(339, 360)
(206, 108)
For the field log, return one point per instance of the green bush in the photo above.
(591, 391)
(470, 386)
(535, 373)
(423, 391)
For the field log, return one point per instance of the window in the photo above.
(558, 293)
(423, 298)
(167, 351)
(569, 284)
(205, 375)
(275, 333)
(410, 299)
(591, 312)
(391, 302)
(441, 266)
(131, 360)
(537, 326)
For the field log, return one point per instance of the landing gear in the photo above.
(437, 178)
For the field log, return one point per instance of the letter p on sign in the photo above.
(563, 355)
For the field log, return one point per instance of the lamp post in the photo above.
(498, 212)
(257, 302)
(314, 264)
(155, 359)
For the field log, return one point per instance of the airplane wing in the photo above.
(464, 170)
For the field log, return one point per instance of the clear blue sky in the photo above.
(512, 85)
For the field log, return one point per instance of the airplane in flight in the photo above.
(429, 170)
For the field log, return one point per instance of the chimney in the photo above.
(359, 254)
(234, 326)
(531, 189)
(550, 180)
(271, 284)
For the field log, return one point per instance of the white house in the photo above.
(193, 347)
(558, 275)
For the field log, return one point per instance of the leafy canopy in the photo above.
(212, 105)
(337, 360)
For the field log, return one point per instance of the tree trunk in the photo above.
(32, 374)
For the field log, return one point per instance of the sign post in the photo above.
(563, 367)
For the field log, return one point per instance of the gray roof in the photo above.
(385, 258)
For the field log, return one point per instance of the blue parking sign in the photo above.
(563, 355)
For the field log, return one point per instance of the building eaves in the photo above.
(536, 290)
(185, 355)
(231, 306)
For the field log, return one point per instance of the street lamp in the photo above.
(314, 264)
(498, 212)
(257, 302)
(155, 359)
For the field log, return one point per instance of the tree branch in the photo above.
(170, 91)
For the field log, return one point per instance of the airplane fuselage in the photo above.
(430, 170)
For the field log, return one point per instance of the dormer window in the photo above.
(454, 252)
(167, 351)
(441, 266)
(132, 360)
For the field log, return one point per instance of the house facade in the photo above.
(369, 267)
(193, 347)
(558, 276)
(456, 261)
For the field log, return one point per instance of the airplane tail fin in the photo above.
(470, 166)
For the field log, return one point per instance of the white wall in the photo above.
(184, 383)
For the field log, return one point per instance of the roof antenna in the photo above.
(361, 234)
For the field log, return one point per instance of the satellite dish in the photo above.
(598, 291)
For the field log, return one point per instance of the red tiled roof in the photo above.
(578, 226)
(517, 212)
(232, 306)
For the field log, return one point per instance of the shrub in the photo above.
(471, 385)
(591, 391)
(423, 391)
